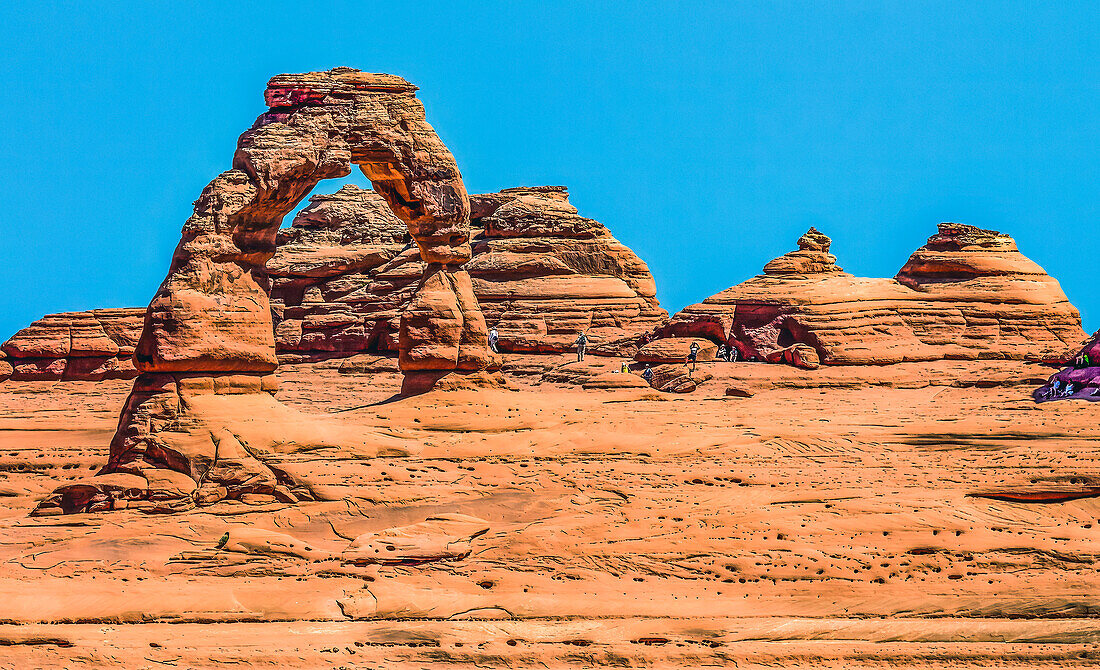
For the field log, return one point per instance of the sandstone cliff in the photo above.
(967, 294)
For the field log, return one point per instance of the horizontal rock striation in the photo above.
(344, 272)
(967, 294)
(71, 346)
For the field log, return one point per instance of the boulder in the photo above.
(966, 294)
(678, 378)
(799, 355)
(676, 350)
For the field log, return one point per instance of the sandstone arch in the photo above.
(207, 348)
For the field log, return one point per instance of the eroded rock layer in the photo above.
(344, 273)
(92, 345)
(967, 294)
(346, 268)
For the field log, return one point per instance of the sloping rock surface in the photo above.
(967, 294)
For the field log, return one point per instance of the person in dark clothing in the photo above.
(647, 374)
(494, 337)
(721, 355)
(582, 344)
(693, 355)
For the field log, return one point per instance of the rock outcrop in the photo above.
(208, 337)
(543, 274)
(92, 345)
(344, 273)
(967, 294)
(346, 268)
(1079, 380)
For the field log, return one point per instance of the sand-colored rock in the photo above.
(675, 350)
(442, 537)
(967, 294)
(849, 500)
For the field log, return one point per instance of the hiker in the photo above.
(693, 355)
(582, 343)
(494, 337)
(734, 354)
(647, 374)
(722, 353)
(1068, 390)
(625, 368)
(1081, 361)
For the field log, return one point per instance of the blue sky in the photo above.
(707, 136)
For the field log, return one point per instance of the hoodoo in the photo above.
(966, 294)
(207, 349)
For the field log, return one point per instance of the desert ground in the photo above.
(828, 520)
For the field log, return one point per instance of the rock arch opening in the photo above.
(207, 339)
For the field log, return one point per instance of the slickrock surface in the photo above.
(838, 518)
(541, 273)
(967, 294)
(92, 345)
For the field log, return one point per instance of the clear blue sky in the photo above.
(708, 136)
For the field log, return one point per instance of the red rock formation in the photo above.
(967, 294)
(540, 272)
(346, 268)
(93, 345)
(208, 335)
(1079, 380)
(543, 274)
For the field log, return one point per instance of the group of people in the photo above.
(581, 343)
(729, 354)
(1061, 389)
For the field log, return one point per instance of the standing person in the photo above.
(625, 368)
(647, 374)
(693, 355)
(582, 343)
(494, 337)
